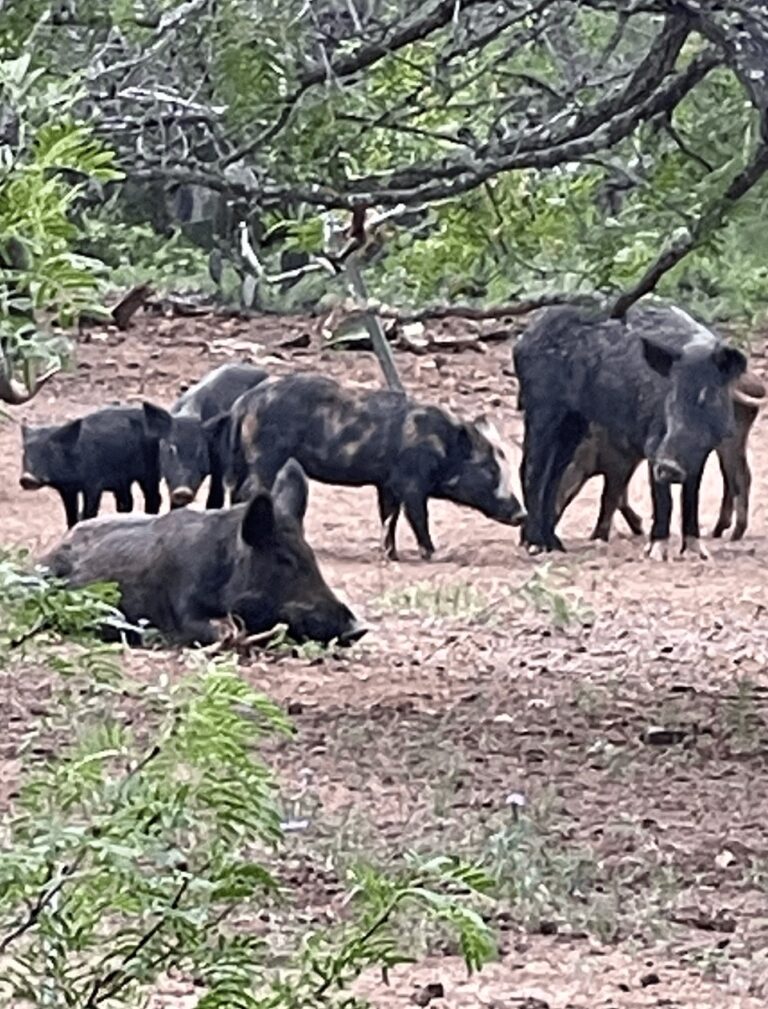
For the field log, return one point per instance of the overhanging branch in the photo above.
(709, 220)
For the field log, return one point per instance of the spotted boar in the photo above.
(182, 570)
(409, 451)
(191, 446)
(107, 450)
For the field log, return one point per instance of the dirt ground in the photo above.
(637, 873)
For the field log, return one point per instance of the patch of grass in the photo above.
(444, 599)
(545, 592)
(741, 714)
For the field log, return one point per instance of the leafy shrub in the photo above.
(152, 841)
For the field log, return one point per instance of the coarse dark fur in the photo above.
(408, 451)
(658, 382)
(107, 450)
(181, 570)
(192, 435)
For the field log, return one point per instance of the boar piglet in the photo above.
(107, 450)
(181, 570)
(191, 446)
(408, 451)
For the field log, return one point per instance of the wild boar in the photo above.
(182, 570)
(658, 382)
(409, 451)
(107, 450)
(598, 455)
(190, 447)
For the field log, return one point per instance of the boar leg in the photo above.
(415, 505)
(124, 499)
(742, 502)
(151, 491)
(549, 446)
(216, 487)
(69, 500)
(91, 502)
(614, 497)
(630, 516)
(389, 512)
(573, 480)
(691, 534)
(661, 495)
(737, 480)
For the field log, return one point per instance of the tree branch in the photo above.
(514, 308)
(697, 232)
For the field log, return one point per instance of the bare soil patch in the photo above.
(625, 701)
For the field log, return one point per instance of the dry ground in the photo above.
(488, 673)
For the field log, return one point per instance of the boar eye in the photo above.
(285, 560)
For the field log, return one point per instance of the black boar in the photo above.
(107, 450)
(408, 451)
(598, 456)
(181, 570)
(190, 446)
(658, 382)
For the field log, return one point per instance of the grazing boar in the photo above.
(190, 445)
(408, 451)
(181, 570)
(107, 450)
(658, 382)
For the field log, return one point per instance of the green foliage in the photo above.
(547, 591)
(43, 281)
(32, 606)
(457, 599)
(149, 834)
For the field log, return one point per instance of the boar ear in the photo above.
(157, 420)
(730, 363)
(660, 358)
(290, 491)
(258, 528)
(68, 434)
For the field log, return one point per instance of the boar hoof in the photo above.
(599, 533)
(426, 553)
(694, 546)
(657, 550)
(535, 548)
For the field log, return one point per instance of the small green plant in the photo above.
(564, 608)
(34, 606)
(446, 599)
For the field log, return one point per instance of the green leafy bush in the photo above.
(151, 838)
(46, 160)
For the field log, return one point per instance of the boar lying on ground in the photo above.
(191, 447)
(408, 451)
(597, 455)
(186, 568)
(659, 383)
(107, 450)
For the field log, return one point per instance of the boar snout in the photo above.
(312, 624)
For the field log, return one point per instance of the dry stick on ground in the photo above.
(748, 177)
(480, 314)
